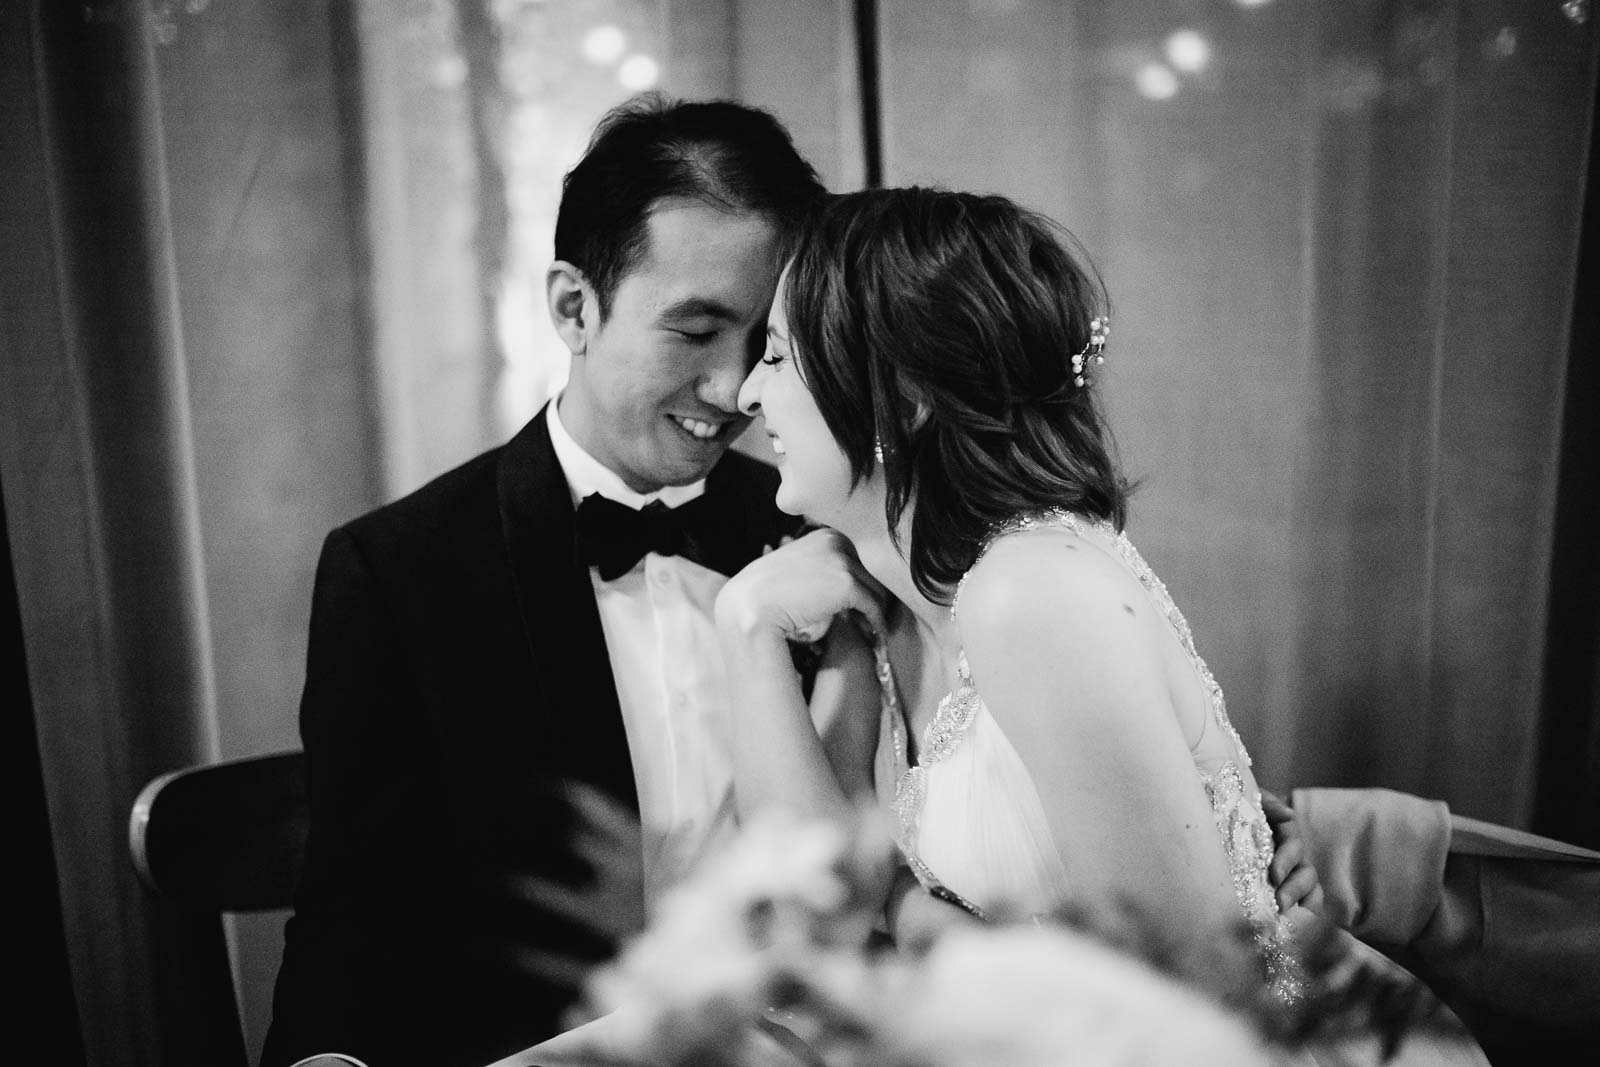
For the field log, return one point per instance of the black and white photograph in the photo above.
(802, 533)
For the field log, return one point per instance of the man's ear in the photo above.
(574, 310)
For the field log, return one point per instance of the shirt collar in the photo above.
(586, 475)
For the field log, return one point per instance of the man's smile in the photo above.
(701, 429)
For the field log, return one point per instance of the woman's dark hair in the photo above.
(652, 148)
(944, 325)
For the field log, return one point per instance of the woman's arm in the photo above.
(846, 707)
(780, 757)
(1070, 658)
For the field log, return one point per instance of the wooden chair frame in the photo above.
(223, 837)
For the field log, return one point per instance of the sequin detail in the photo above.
(950, 723)
(1240, 820)
(1248, 840)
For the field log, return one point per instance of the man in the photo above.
(539, 615)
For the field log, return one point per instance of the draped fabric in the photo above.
(99, 484)
(246, 295)
(1340, 242)
(185, 410)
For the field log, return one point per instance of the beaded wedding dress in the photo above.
(972, 827)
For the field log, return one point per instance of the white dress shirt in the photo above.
(671, 684)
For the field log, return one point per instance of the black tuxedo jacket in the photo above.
(456, 670)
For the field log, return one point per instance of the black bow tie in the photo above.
(615, 537)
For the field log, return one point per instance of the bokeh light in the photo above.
(603, 44)
(638, 72)
(1188, 51)
(1155, 81)
(1502, 45)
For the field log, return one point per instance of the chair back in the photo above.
(224, 837)
(1503, 925)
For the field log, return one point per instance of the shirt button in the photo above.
(664, 576)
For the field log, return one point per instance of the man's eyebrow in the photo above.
(696, 307)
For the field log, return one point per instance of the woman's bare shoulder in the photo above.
(1056, 637)
(1053, 576)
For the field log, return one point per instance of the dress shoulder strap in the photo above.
(1060, 517)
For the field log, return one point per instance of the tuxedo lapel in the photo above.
(581, 723)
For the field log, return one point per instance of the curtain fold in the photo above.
(1340, 242)
(99, 486)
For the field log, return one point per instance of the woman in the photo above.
(1044, 728)
(1047, 705)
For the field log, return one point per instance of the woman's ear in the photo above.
(920, 417)
(913, 397)
(573, 308)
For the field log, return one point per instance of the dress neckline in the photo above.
(951, 717)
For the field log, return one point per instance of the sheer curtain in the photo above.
(1340, 241)
(183, 390)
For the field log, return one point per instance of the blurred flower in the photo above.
(783, 927)
(780, 926)
(1023, 996)
(778, 919)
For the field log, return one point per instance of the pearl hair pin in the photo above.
(1099, 329)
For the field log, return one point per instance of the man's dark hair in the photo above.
(651, 148)
(943, 325)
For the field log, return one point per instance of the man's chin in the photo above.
(691, 465)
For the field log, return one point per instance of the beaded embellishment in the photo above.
(1247, 838)
(950, 723)
(1240, 820)
(1094, 352)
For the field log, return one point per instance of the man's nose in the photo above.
(723, 383)
(720, 385)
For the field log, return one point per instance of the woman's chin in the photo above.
(822, 500)
(788, 503)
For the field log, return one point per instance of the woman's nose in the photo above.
(750, 391)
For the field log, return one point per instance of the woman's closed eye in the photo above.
(696, 337)
(777, 349)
